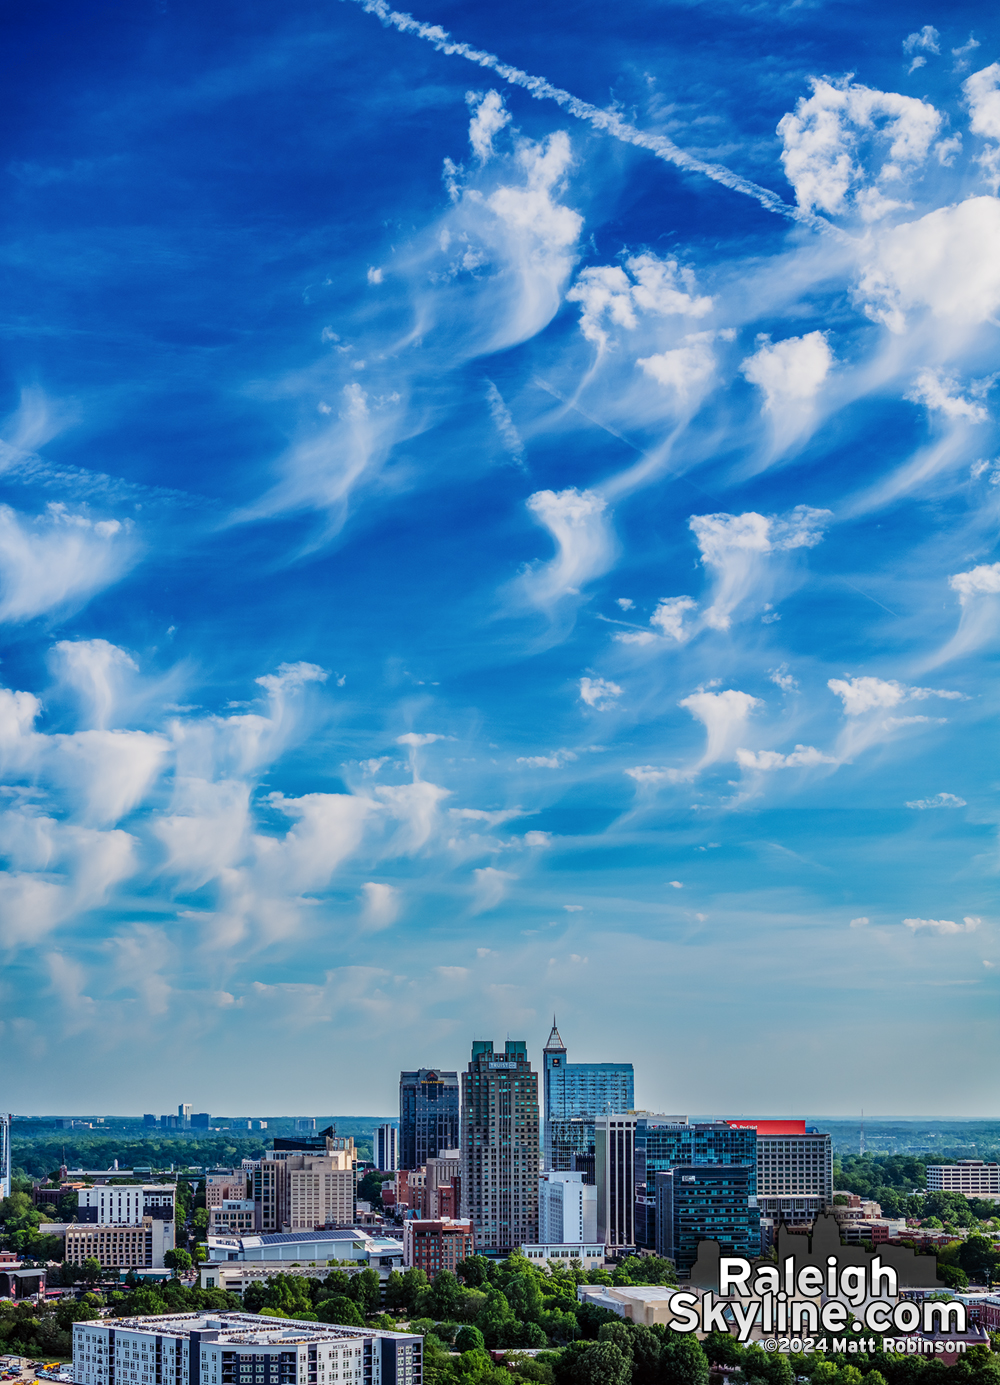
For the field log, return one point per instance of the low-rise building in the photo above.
(590, 1255)
(241, 1349)
(319, 1247)
(972, 1177)
(225, 1187)
(436, 1245)
(233, 1216)
(122, 1245)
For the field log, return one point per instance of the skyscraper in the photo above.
(386, 1148)
(707, 1203)
(794, 1170)
(500, 1154)
(575, 1095)
(428, 1115)
(664, 1143)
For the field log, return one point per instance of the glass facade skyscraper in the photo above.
(712, 1202)
(575, 1095)
(663, 1144)
(428, 1115)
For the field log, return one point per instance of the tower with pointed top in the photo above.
(574, 1095)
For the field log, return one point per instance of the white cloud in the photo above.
(381, 907)
(556, 760)
(668, 618)
(504, 424)
(58, 559)
(538, 839)
(492, 818)
(579, 522)
(684, 370)
(625, 602)
(782, 679)
(802, 757)
(791, 372)
(658, 288)
(941, 800)
(490, 888)
(945, 262)
(573, 908)
(943, 926)
(105, 774)
(676, 884)
(927, 40)
(983, 580)
(416, 738)
(599, 693)
(861, 695)
(550, 228)
(982, 93)
(823, 140)
(940, 393)
(95, 670)
(657, 774)
(723, 715)
(861, 922)
(374, 277)
(733, 546)
(488, 119)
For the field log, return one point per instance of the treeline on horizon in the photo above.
(39, 1155)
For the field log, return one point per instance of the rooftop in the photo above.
(245, 1328)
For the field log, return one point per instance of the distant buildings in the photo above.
(385, 1148)
(575, 1094)
(433, 1191)
(429, 1115)
(122, 1226)
(500, 1147)
(969, 1176)
(223, 1187)
(436, 1245)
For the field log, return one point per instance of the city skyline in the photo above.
(496, 525)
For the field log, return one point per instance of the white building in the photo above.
(319, 1247)
(969, 1176)
(125, 1204)
(567, 1209)
(591, 1255)
(241, 1349)
(386, 1148)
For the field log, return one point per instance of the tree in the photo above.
(145, 1302)
(646, 1269)
(69, 1312)
(413, 1282)
(722, 1349)
(443, 1299)
(366, 1290)
(953, 1276)
(469, 1338)
(395, 1292)
(524, 1295)
(494, 1316)
(619, 1333)
(774, 1368)
(977, 1257)
(341, 1310)
(178, 1260)
(592, 1363)
(474, 1270)
(90, 1271)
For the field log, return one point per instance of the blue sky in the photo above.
(486, 535)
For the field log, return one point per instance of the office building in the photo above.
(223, 1187)
(500, 1148)
(709, 1202)
(428, 1115)
(122, 1245)
(149, 1120)
(668, 1142)
(574, 1095)
(436, 1245)
(232, 1217)
(972, 1177)
(567, 1208)
(614, 1174)
(305, 1124)
(184, 1113)
(589, 1253)
(5, 1120)
(200, 1120)
(385, 1148)
(794, 1170)
(213, 1348)
(305, 1182)
(115, 1204)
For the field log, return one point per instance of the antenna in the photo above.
(861, 1142)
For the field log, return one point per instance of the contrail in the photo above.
(607, 121)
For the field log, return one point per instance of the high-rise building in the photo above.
(567, 1208)
(5, 1120)
(794, 1170)
(710, 1202)
(149, 1120)
(575, 1094)
(304, 1183)
(970, 1176)
(184, 1113)
(663, 1143)
(614, 1174)
(428, 1115)
(386, 1148)
(200, 1120)
(500, 1150)
(435, 1244)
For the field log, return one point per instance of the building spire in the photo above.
(554, 1041)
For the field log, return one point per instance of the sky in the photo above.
(499, 517)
